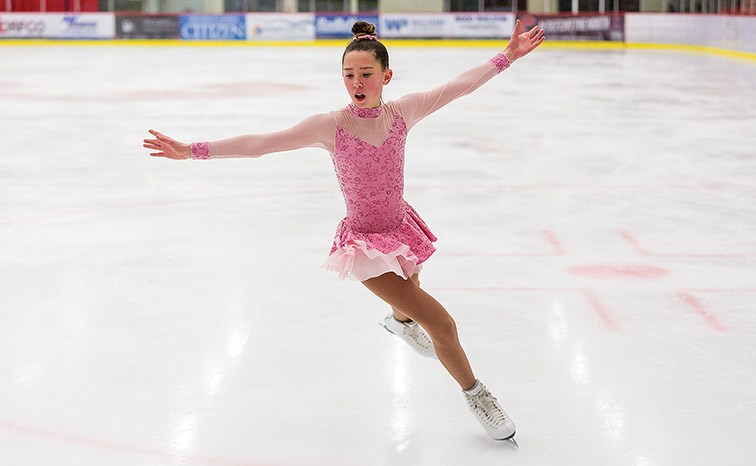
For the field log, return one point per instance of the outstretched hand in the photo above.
(522, 42)
(167, 147)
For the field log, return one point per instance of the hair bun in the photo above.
(361, 28)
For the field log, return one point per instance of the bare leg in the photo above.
(410, 301)
(397, 314)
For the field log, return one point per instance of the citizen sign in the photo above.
(213, 28)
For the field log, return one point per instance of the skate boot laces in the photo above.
(486, 408)
(490, 408)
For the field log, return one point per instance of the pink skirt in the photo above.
(360, 256)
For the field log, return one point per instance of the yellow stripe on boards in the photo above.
(494, 44)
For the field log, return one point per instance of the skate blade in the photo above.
(511, 440)
(386, 329)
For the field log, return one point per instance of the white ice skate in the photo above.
(411, 333)
(490, 415)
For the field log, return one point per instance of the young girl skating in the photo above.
(382, 241)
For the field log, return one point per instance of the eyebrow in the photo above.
(363, 68)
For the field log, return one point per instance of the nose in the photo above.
(357, 84)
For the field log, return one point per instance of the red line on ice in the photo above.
(699, 308)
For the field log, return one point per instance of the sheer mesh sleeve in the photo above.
(315, 131)
(416, 106)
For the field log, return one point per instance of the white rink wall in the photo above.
(730, 32)
(721, 31)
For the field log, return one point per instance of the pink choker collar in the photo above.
(365, 112)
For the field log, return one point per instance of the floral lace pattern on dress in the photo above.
(200, 150)
(372, 178)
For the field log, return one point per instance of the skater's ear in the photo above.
(387, 75)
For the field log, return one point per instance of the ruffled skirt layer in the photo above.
(361, 256)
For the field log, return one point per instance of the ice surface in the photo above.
(597, 221)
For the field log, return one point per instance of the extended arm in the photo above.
(417, 106)
(315, 131)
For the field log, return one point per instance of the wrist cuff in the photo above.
(501, 62)
(200, 150)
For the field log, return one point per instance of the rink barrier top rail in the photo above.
(409, 43)
(707, 34)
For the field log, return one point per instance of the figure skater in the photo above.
(382, 241)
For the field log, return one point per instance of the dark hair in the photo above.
(369, 43)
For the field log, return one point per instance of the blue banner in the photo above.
(219, 27)
(339, 26)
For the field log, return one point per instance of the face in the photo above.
(364, 79)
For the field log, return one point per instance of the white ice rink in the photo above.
(597, 220)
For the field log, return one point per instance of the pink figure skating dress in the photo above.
(381, 232)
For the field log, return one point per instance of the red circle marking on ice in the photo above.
(618, 271)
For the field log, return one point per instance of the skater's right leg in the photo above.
(407, 298)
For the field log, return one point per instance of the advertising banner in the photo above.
(284, 27)
(339, 26)
(57, 25)
(454, 26)
(482, 25)
(407, 25)
(147, 27)
(579, 27)
(213, 27)
(24, 25)
(87, 26)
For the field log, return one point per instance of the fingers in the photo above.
(535, 37)
(160, 136)
(154, 144)
(518, 29)
(163, 146)
(160, 144)
(156, 154)
(162, 140)
(536, 33)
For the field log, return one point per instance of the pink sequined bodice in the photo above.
(372, 177)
